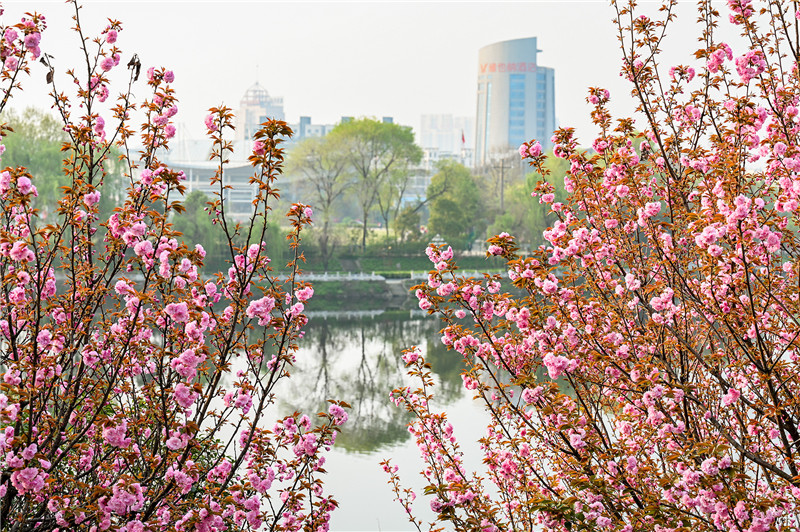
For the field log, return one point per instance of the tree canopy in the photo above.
(527, 217)
(34, 142)
(321, 166)
(456, 200)
(379, 154)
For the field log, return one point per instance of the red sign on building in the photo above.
(491, 68)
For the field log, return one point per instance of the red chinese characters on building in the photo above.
(491, 68)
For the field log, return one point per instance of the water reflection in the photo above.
(357, 358)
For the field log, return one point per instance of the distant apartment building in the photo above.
(444, 136)
(306, 129)
(516, 99)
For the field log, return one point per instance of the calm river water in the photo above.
(356, 357)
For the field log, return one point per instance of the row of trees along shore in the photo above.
(366, 169)
(332, 173)
(645, 379)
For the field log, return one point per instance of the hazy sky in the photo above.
(333, 59)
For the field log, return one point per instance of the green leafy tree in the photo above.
(34, 142)
(391, 195)
(325, 174)
(374, 151)
(452, 212)
(406, 224)
(197, 228)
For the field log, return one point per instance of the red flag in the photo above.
(463, 140)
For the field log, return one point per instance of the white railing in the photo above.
(342, 276)
(325, 276)
(343, 314)
(359, 314)
(423, 275)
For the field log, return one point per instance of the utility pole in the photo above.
(503, 184)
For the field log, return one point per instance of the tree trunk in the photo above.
(323, 246)
(364, 235)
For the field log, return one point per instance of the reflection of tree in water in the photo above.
(448, 365)
(358, 360)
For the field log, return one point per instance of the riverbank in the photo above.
(376, 290)
(336, 294)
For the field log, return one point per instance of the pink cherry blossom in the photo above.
(107, 63)
(184, 395)
(261, 309)
(28, 480)
(178, 311)
(304, 294)
(115, 435)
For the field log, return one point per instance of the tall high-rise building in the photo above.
(516, 99)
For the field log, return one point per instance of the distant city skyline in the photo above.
(333, 59)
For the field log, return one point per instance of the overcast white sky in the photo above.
(333, 59)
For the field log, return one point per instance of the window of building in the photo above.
(516, 109)
(487, 117)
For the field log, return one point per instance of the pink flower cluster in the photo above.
(718, 56)
(533, 149)
(750, 65)
(261, 309)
